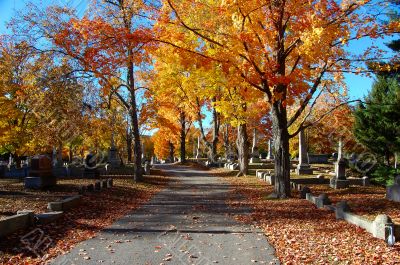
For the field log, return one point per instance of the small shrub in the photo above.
(384, 175)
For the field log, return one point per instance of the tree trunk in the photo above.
(182, 119)
(282, 155)
(226, 141)
(212, 147)
(129, 145)
(216, 122)
(171, 152)
(243, 150)
(137, 147)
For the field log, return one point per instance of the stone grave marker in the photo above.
(340, 181)
(255, 154)
(198, 151)
(393, 192)
(40, 174)
(147, 168)
(303, 168)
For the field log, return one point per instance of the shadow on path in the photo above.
(187, 223)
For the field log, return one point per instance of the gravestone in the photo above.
(198, 151)
(393, 192)
(304, 191)
(303, 168)
(113, 159)
(91, 170)
(147, 168)
(255, 154)
(270, 155)
(340, 181)
(40, 174)
(318, 158)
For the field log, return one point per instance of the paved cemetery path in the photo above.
(187, 223)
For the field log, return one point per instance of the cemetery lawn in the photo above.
(14, 197)
(303, 234)
(97, 211)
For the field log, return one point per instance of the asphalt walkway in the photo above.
(186, 223)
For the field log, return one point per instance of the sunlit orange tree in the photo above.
(286, 49)
(107, 45)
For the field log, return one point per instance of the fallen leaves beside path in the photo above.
(302, 234)
(368, 201)
(97, 211)
(14, 197)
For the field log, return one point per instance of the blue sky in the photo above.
(358, 85)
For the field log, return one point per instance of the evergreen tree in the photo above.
(390, 68)
(377, 124)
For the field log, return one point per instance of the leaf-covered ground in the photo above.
(14, 197)
(98, 210)
(303, 234)
(367, 201)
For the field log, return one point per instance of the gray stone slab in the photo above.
(44, 218)
(14, 223)
(65, 204)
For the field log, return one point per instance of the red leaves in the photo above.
(302, 234)
(97, 211)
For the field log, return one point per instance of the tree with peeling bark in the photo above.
(289, 50)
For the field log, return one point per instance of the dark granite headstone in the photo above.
(40, 174)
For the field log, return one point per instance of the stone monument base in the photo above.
(255, 160)
(339, 183)
(304, 170)
(40, 182)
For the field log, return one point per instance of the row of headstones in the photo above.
(231, 166)
(382, 227)
(97, 186)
